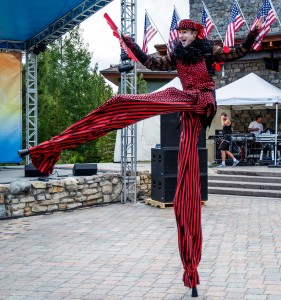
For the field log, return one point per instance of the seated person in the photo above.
(256, 127)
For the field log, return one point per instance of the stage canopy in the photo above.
(27, 23)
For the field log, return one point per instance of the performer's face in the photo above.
(187, 36)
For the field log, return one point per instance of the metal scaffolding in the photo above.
(38, 44)
(128, 86)
(31, 101)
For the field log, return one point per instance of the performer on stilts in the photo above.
(193, 56)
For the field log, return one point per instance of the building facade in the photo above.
(264, 63)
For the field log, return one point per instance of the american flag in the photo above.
(149, 33)
(235, 22)
(173, 31)
(207, 21)
(269, 17)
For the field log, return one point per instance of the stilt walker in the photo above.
(193, 56)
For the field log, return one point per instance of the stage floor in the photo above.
(9, 174)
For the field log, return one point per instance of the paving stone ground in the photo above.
(129, 251)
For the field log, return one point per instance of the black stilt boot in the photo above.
(23, 153)
(194, 292)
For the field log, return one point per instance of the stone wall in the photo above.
(253, 62)
(25, 198)
(220, 11)
(240, 68)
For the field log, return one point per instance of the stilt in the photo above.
(194, 292)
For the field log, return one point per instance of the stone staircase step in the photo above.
(254, 182)
(243, 184)
(237, 171)
(244, 178)
(244, 192)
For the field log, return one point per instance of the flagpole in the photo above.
(177, 12)
(156, 27)
(206, 9)
(242, 14)
(275, 12)
(212, 20)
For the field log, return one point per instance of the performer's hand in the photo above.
(128, 41)
(126, 38)
(260, 22)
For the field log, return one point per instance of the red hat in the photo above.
(189, 24)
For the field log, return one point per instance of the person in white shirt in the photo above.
(256, 127)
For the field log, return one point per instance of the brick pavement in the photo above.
(130, 252)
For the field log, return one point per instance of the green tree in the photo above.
(141, 85)
(68, 89)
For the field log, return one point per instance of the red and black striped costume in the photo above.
(197, 106)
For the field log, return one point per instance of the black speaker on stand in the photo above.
(170, 130)
(163, 174)
(203, 164)
(164, 161)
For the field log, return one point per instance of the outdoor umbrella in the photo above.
(123, 110)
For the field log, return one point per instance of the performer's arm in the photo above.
(238, 51)
(159, 63)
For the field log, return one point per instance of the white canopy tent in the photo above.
(251, 91)
(148, 132)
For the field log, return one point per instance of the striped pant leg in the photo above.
(118, 112)
(187, 202)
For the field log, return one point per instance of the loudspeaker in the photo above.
(203, 166)
(202, 138)
(204, 186)
(203, 160)
(164, 161)
(163, 187)
(85, 169)
(31, 171)
(169, 130)
(164, 173)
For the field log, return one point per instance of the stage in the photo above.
(9, 174)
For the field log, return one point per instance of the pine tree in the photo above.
(68, 89)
